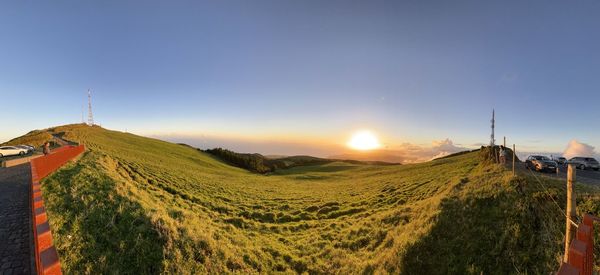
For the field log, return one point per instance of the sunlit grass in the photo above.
(139, 205)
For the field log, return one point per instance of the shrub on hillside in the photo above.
(252, 162)
(261, 164)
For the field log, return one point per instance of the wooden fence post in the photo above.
(496, 155)
(514, 159)
(571, 209)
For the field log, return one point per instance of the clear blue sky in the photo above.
(412, 71)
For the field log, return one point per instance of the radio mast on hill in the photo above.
(90, 115)
(492, 139)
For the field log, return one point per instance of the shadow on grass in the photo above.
(503, 233)
(96, 230)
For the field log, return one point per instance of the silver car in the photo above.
(560, 160)
(585, 163)
(541, 163)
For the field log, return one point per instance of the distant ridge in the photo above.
(262, 164)
(376, 155)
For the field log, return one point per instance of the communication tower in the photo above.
(90, 115)
(492, 139)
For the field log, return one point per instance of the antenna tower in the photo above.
(492, 139)
(90, 115)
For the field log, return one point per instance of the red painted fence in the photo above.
(581, 250)
(57, 157)
(46, 257)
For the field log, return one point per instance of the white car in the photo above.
(26, 147)
(11, 151)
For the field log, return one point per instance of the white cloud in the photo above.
(578, 149)
(439, 148)
(445, 145)
(406, 152)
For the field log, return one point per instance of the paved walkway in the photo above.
(16, 255)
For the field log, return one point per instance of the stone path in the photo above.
(16, 254)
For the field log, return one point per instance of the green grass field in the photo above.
(139, 205)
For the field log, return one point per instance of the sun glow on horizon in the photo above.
(364, 140)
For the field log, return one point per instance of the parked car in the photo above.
(6, 151)
(585, 163)
(29, 149)
(560, 160)
(541, 163)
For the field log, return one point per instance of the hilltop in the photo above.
(132, 204)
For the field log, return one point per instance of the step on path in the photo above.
(16, 253)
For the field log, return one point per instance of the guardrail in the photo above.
(46, 257)
(580, 258)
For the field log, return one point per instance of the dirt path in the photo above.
(58, 138)
(16, 255)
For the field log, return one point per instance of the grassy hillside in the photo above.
(261, 164)
(34, 138)
(138, 205)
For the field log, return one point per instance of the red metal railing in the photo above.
(46, 257)
(581, 250)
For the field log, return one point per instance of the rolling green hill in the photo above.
(34, 138)
(138, 205)
(261, 164)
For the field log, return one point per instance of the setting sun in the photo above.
(364, 140)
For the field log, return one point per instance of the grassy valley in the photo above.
(132, 204)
